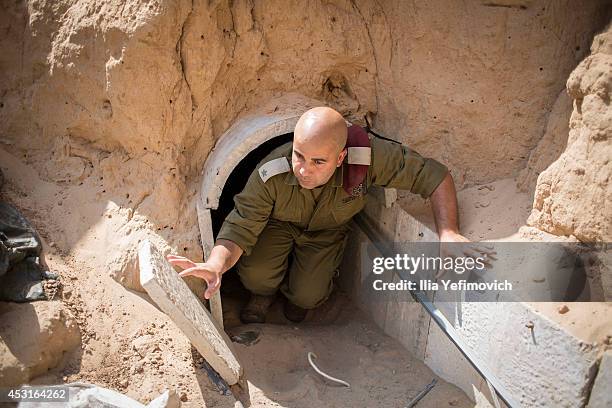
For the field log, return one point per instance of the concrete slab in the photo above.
(408, 322)
(172, 295)
(543, 366)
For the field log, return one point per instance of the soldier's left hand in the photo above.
(455, 245)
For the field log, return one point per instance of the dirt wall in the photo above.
(117, 104)
(573, 195)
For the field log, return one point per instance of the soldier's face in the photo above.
(314, 163)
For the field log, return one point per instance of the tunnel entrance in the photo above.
(233, 293)
(238, 178)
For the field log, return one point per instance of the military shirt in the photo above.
(280, 197)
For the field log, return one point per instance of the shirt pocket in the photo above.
(344, 212)
(288, 209)
(286, 213)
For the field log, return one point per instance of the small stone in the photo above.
(563, 309)
(144, 345)
(138, 367)
(123, 383)
(183, 396)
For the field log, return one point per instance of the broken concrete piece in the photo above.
(175, 299)
(390, 197)
(600, 393)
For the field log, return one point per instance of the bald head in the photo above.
(322, 126)
(318, 146)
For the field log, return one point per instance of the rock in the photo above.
(144, 345)
(33, 339)
(563, 309)
(573, 195)
(138, 367)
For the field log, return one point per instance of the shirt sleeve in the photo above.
(396, 166)
(252, 209)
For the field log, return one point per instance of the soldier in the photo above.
(299, 201)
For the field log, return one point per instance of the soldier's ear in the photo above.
(341, 157)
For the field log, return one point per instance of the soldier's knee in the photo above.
(311, 298)
(257, 282)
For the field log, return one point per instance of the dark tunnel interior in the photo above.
(232, 288)
(239, 176)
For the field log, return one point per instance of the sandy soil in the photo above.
(590, 322)
(381, 373)
(486, 211)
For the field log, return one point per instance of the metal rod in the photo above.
(421, 394)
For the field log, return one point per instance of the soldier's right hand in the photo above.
(202, 270)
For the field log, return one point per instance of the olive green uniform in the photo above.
(276, 217)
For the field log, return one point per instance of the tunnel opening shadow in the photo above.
(233, 294)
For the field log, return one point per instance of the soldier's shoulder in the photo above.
(283, 150)
(276, 162)
(383, 147)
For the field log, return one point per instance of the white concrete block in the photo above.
(543, 367)
(408, 322)
(390, 197)
(442, 356)
(172, 295)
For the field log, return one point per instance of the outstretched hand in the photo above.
(203, 270)
(449, 248)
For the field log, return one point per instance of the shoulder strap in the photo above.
(274, 167)
(358, 160)
(359, 155)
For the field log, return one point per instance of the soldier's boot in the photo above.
(255, 311)
(294, 313)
